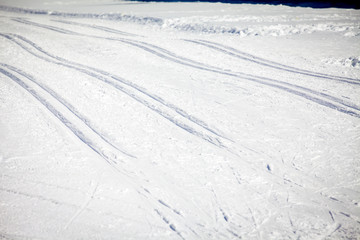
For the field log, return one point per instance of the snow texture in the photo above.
(145, 120)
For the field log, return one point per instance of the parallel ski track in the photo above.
(102, 28)
(264, 62)
(60, 99)
(72, 127)
(163, 53)
(52, 28)
(104, 77)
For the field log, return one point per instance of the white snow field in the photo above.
(131, 120)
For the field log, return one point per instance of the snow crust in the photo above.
(131, 120)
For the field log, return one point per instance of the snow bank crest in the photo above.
(235, 25)
(347, 62)
(200, 26)
(105, 16)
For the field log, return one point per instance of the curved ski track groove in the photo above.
(64, 103)
(213, 140)
(102, 28)
(78, 133)
(52, 28)
(253, 78)
(264, 62)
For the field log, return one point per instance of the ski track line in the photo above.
(52, 28)
(170, 224)
(38, 197)
(59, 203)
(65, 103)
(213, 140)
(209, 67)
(261, 80)
(264, 62)
(59, 115)
(85, 205)
(98, 27)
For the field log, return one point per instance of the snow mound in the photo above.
(259, 30)
(244, 26)
(104, 16)
(347, 62)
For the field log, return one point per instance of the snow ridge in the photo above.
(349, 29)
(104, 16)
(203, 25)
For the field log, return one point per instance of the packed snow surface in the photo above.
(133, 120)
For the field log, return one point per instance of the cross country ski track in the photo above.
(98, 27)
(62, 113)
(65, 103)
(300, 91)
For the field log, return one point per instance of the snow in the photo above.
(131, 120)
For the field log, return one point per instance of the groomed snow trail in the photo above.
(130, 120)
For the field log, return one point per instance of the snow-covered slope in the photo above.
(130, 120)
